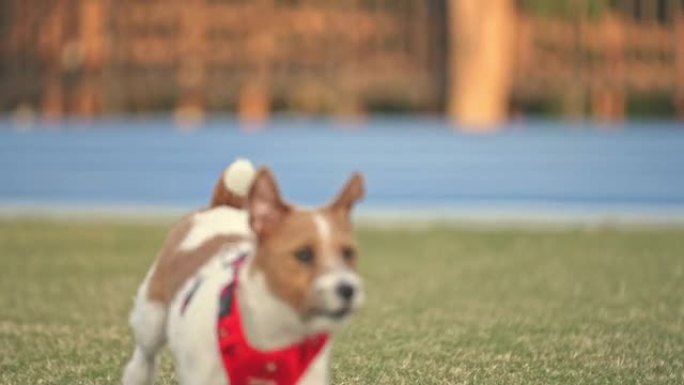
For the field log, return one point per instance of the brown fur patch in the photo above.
(174, 266)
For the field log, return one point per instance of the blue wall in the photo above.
(409, 163)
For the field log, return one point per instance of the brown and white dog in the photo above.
(292, 271)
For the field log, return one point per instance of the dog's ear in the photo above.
(265, 206)
(351, 193)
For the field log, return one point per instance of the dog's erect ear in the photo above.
(352, 192)
(264, 204)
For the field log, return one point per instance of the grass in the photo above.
(446, 306)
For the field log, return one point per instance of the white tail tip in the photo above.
(238, 177)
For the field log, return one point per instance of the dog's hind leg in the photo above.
(148, 322)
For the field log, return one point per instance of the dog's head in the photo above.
(308, 256)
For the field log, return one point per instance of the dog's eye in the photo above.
(348, 253)
(305, 254)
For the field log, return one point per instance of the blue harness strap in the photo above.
(226, 296)
(190, 294)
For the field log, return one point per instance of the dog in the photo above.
(249, 290)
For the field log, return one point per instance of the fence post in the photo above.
(191, 72)
(92, 42)
(574, 99)
(608, 95)
(679, 63)
(480, 61)
(52, 42)
(254, 104)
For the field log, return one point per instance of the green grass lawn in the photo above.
(445, 306)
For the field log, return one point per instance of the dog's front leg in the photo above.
(319, 371)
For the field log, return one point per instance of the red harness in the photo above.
(246, 365)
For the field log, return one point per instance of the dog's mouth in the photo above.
(333, 314)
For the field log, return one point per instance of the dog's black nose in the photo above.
(345, 290)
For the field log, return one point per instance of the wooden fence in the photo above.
(595, 64)
(249, 56)
(87, 57)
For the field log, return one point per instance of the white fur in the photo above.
(327, 282)
(238, 176)
(325, 298)
(324, 231)
(192, 335)
(323, 227)
(319, 372)
(140, 369)
(147, 322)
(269, 322)
(221, 220)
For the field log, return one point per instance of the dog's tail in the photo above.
(232, 187)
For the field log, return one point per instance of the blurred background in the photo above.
(140, 103)
(499, 118)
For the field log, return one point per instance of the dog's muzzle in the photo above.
(337, 294)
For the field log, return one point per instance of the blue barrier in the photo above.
(411, 164)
